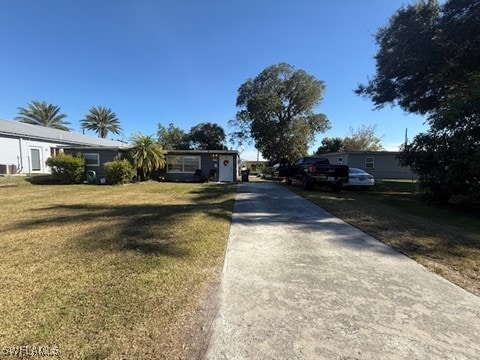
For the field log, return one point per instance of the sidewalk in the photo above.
(298, 283)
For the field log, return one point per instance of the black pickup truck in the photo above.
(312, 171)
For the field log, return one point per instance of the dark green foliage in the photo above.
(172, 138)
(43, 114)
(119, 172)
(204, 136)
(447, 161)
(408, 61)
(67, 169)
(147, 156)
(277, 112)
(429, 63)
(207, 136)
(330, 145)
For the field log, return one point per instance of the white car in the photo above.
(359, 178)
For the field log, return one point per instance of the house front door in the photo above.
(225, 171)
(36, 159)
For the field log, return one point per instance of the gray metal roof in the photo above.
(18, 129)
(363, 152)
(221, 152)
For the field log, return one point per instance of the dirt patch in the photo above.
(8, 185)
(194, 326)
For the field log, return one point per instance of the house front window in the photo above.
(369, 162)
(183, 164)
(54, 151)
(91, 159)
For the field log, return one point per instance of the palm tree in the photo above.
(146, 154)
(43, 114)
(102, 121)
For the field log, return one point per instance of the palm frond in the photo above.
(147, 155)
(101, 120)
(43, 114)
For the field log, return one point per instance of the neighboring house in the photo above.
(25, 148)
(96, 156)
(198, 165)
(381, 164)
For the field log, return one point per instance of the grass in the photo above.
(444, 239)
(121, 272)
(109, 272)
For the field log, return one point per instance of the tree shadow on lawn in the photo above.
(137, 227)
(281, 211)
(411, 234)
(213, 193)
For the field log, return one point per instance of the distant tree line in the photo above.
(146, 153)
(204, 136)
(362, 139)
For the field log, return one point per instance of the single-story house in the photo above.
(381, 164)
(95, 157)
(198, 165)
(25, 148)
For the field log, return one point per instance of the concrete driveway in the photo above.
(298, 283)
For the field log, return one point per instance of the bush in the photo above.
(119, 172)
(66, 168)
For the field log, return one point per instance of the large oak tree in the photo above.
(277, 112)
(428, 63)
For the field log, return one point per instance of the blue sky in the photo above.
(182, 61)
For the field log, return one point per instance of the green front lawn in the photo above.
(109, 271)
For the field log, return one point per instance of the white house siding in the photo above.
(27, 161)
(18, 140)
(16, 154)
(9, 155)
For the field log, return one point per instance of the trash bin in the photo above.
(91, 177)
(245, 175)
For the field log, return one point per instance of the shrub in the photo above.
(66, 168)
(119, 172)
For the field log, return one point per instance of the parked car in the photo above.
(279, 171)
(360, 179)
(311, 171)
